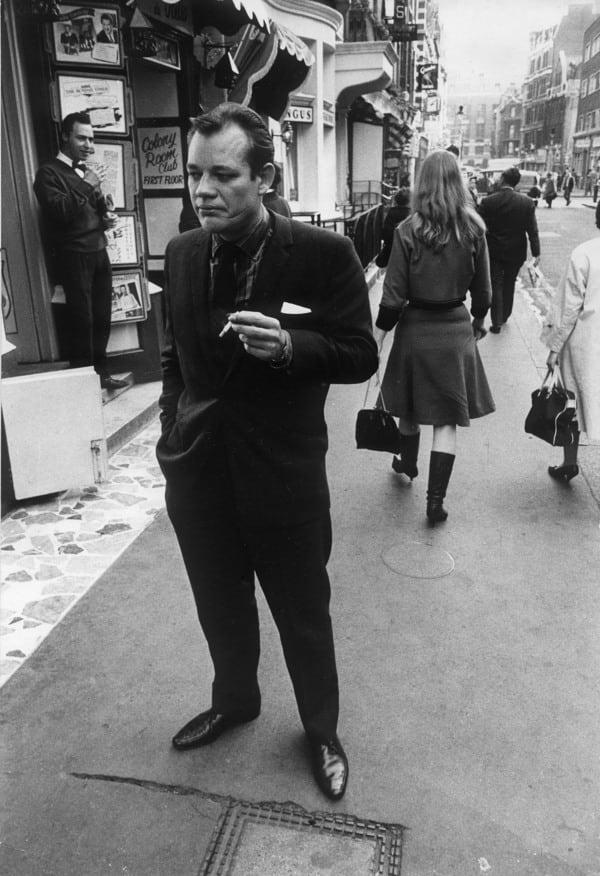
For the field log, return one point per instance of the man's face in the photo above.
(224, 194)
(80, 142)
(107, 26)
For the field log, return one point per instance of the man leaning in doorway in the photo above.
(510, 220)
(263, 313)
(76, 213)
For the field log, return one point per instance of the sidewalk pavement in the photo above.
(467, 657)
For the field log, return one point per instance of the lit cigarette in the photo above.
(225, 329)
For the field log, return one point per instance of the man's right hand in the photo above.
(96, 177)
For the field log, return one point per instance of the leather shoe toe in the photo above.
(330, 767)
(205, 728)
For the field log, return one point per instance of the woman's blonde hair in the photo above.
(441, 206)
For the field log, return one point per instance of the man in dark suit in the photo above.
(510, 220)
(76, 213)
(263, 313)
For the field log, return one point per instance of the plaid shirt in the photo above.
(247, 260)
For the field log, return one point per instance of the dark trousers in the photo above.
(503, 276)
(595, 193)
(87, 280)
(221, 555)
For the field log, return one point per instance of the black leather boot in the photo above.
(440, 469)
(406, 463)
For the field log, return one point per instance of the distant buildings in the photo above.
(586, 138)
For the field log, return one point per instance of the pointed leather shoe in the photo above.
(330, 767)
(564, 473)
(206, 727)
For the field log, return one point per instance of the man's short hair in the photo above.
(511, 176)
(69, 122)
(453, 149)
(260, 149)
(108, 18)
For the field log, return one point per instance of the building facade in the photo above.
(586, 138)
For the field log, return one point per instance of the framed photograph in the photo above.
(162, 50)
(128, 298)
(87, 35)
(123, 241)
(104, 98)
(117, 159)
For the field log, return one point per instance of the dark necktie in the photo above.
(224, 288)
(76, 164)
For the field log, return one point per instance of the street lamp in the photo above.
(462, 121)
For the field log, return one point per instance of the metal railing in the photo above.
(363, 228)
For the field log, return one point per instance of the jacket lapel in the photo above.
(198, 280)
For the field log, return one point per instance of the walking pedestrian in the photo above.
(568, 185)
(263, 313)
(434, 373)
(572, 333)
(76, 213)
(594, 182)
(510, 220)
(549, 190)
(396, 214)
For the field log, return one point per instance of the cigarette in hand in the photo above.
(225, 329)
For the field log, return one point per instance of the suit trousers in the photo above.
(503, 276)
(221, 555)
(87, 280)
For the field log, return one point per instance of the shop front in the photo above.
(157, 65)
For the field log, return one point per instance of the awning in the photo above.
(190, 16)
(361, 68)
(270, 68)
(229, 16)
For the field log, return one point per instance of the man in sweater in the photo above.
(76, 212)
(510, 220)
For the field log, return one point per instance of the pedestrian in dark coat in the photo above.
(396, 214)
(510, 220)
(263, 313)
(549, 190)
(568, 184)
(434, 374)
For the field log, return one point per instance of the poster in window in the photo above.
(102, 98)
(128, 299)
(87, 35)
(161, 50)
(110, 155)
(161, 157)
(122, 241)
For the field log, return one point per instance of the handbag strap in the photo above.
(380, 392)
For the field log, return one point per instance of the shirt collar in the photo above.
(251, 242)
(65, 158)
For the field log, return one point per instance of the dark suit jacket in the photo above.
(270, 422)
(510, 220)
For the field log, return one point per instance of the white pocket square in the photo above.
(290, 307)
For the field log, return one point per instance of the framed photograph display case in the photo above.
(123, 241)
(129, 301)
(118, 161)
(86, 35)
(104, 98)
(162, 50)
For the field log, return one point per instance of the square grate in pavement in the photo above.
(271, 839)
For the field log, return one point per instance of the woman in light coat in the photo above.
(573, 336)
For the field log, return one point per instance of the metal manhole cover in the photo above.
(414, 559)
(254, 839)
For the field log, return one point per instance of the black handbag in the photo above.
(376, 429)
(553, 414)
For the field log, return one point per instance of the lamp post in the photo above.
(462, 121)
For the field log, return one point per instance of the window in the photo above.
(511, 132)
(587, 52)
(513, 112)
(595, 45)
(479, 149)
(545, 59)
(511, 148)
(584, 87)
(479, 131)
